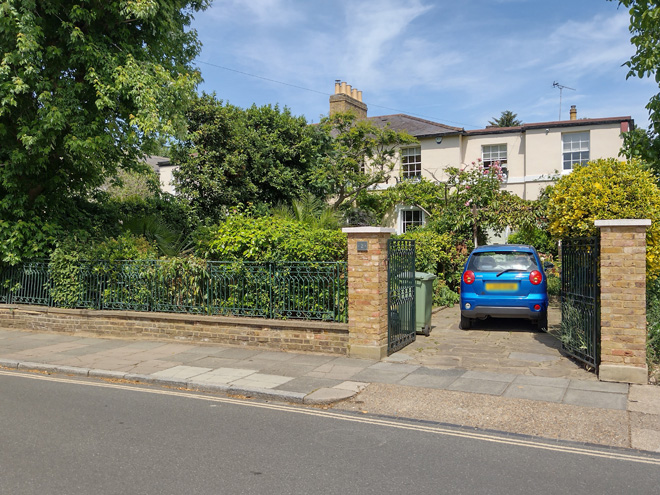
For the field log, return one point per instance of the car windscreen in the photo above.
(498, 261)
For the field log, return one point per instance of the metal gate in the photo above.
(580, 299)
(400, 293)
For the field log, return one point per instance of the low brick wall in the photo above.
(289, 335)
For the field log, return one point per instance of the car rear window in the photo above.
(497, 261)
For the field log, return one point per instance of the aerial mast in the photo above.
(561, 88)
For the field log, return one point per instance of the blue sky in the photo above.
(456, 62)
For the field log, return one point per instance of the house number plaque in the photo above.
(362, 246)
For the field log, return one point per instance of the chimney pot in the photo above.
(343, 87)
(354, 93)
(359, 95)
(337, 86)
(573, 112)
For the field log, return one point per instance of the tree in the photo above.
(358, 155)
(507, 119)
(604, 190)
(642, 145)
(232, 156)
(644, 18)
(86, 88)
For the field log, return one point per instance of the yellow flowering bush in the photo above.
(607, 189)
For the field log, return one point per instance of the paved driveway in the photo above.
(498, 345)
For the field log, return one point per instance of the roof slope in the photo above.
(414, 126)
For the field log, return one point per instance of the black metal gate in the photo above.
(400, 293)
(580, 299)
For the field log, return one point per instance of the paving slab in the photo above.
(490, 376)
(533, 357)
(452, 372)
(308, 384)
(380, 376)
(352, 386)
(644, 399)
(541, 381)
(213, 362)
(181, 372)
(395, 367)
(261, 381)
(224, 375)
(428, 381)
(603, 400)
(150, 366)
(288, 369)
(535, 392)
(237, 353)
(615, 388)
(328, 395)
(478, 386)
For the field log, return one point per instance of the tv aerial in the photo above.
(561, 88)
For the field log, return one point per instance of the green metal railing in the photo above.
(300, 290)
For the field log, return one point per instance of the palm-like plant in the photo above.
(309, 210)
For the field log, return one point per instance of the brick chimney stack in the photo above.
(573, 112)
(347, 100)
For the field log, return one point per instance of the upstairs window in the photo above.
(575, 149)
(411, 163)
(494, 153)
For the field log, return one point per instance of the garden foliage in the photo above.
(607, 189)
(86, 88)
(241, 237)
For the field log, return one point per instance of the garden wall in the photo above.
(289, 335)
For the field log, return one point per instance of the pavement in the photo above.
(452, 375)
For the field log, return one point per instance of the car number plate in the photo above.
(502, 286)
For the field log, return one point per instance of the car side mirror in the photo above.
(547, 265)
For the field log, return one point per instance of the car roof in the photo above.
(505, 247)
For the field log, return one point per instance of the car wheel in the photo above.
(542, 322)
(465, 323)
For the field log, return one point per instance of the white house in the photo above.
(531, 154)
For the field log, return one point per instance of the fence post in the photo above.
(367, 291)
(623, 300)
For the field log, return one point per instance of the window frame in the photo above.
(487, 162)
(403, 223)
(580, 150)
(406, 173)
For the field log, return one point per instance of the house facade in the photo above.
(531, 155)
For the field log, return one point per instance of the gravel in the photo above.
(542, 419)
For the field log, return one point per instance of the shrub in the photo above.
(443, 295)
(241, 237)
(438, 254)
(554, 285)
(607, 189)
(534, 236)
(653, 321)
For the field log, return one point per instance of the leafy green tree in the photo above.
(358, 155)
(645, 36)
(507, 119)
(85, 88)
(233, 156)
(642, 145)
(604, 190)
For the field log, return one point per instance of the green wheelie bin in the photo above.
(423, 301)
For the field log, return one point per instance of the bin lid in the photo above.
(424, 276)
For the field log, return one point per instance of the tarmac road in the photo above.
(80, 436)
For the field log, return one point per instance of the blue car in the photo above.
(504, 281)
